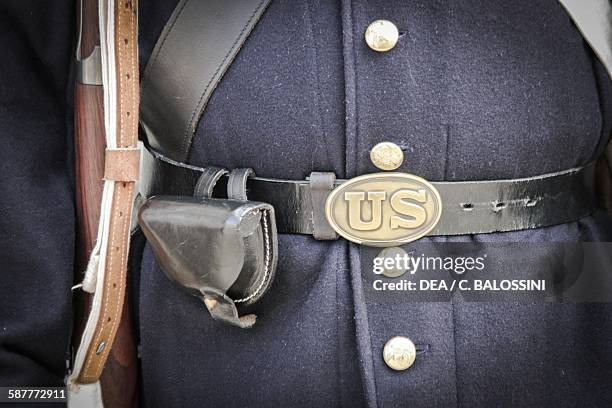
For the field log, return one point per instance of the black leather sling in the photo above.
(196, 47)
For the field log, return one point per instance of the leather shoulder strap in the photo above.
(196, 47)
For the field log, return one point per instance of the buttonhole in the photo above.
(402, 33)
(467, 206)
(421, 348)
(498, 206)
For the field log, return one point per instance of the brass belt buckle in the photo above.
(384, 209)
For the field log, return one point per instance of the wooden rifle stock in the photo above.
(119, 378)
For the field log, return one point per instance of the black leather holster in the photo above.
(223, 251)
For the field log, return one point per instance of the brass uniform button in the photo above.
(387, 156)
(399, 353)
(392, 252)
(381, 35)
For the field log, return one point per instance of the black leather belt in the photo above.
(470, 207)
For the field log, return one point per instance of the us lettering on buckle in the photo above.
(384, 209)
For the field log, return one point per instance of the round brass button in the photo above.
(381, 35)
(396, 270)
(387, 156)
(399, 353)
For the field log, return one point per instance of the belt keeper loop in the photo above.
(122, 164)
(321, 185)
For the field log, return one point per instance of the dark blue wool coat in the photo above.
(473, 90)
